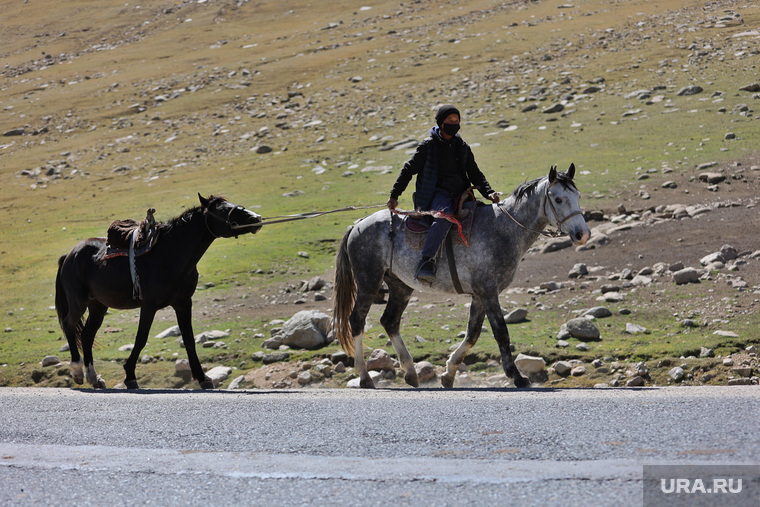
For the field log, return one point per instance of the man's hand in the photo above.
(494, 196)
(392, 203)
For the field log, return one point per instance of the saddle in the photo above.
(130, 238)
(123, 234)
(464, 212)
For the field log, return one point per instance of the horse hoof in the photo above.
(447, 382)
(131, 384)
(100, 384)
(366, 384)
(207, 384)
(520, 381)
(412, 379)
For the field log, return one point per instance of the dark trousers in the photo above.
(442, 201)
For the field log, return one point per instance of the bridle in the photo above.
(549, 234)
(233, 226)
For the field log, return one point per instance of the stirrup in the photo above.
(426, 271)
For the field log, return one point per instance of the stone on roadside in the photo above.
(425, 371)
(636, 381)
(578, 371)
(562, 368)
(529, 364)
(677, 373)
(218, 374)
(374, 375)
(380, 360)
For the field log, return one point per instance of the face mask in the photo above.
(450, 128)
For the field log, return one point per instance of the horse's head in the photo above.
(562, 206)
(225, 219)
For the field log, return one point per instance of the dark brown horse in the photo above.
(90, 280)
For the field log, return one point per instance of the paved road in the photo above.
(396, 447)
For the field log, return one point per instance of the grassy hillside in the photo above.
(110, 109)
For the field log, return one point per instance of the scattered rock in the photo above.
(425, 371)
(516, 315)
(170, 332)
(690, 90)
(380, 360)
(677, 374)
(307, 329)
(634, 328)
(50, 361)
(686, 275)
(219, 374)
(583, 329)
(562, 368)
(529, 364)
(212, 335)
(598, 312)
(578, 271)
(578, 371)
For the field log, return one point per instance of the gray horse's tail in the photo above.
(62, 306)
(344, 297)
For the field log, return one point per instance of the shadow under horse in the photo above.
(501, 234)
(90, 280)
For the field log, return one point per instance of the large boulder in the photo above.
(308, 329)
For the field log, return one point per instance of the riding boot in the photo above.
(426, 270)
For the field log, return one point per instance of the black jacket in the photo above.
(425, 164)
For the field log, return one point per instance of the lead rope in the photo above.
(313, 214)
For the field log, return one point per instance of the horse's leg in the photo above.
(184, 314)
(474, 327)
(500, 332)
(358, 319)
(398, 297)
(96, 312)
(70, 327)
(147, 313)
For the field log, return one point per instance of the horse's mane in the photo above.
(186, 215)
(527, 189)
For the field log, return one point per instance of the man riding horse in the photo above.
(445, 169)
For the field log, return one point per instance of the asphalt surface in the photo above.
(402, 447)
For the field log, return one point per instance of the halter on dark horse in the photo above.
(500, 236)
(89, 281)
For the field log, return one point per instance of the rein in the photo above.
(548, 234)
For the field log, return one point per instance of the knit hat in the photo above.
(444, 111)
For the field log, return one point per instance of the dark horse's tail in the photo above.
(62, 306)
(344, 297)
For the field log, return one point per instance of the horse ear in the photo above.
(204, 201)
(571, 171)
(552, 174)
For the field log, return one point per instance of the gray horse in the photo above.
(500, 236)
